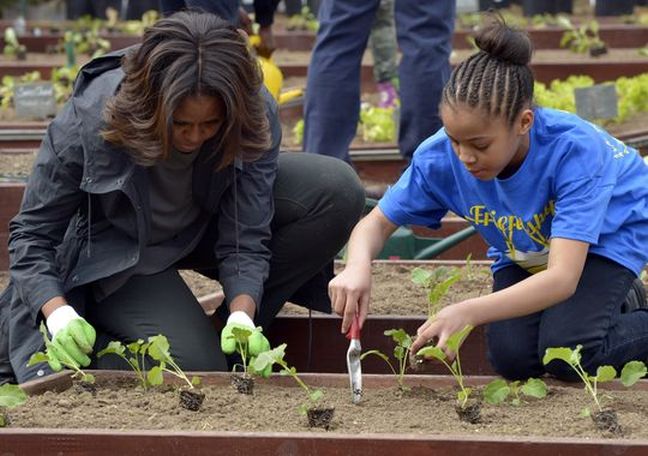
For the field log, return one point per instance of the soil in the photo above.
(274, 408)
(393, 293)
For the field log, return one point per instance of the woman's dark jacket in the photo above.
(63, 236)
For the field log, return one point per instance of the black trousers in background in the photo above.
(317, 199)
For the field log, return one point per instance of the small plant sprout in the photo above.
(454, 343)
(55, 357)
(573, 358)
(499, 390)
(470, 414)
(317, 416)
(12, 47)
(437, 282)
(244, 383)
(159, 350)
(401, 353)
(582, 39)
(10, 396)
(135, 357)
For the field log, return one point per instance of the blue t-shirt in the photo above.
(576, 182)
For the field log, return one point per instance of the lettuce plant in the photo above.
(499, 390)
(437, 281)
(159, 350)
(10, 396)
(401, 353)
(52, 354)
(276, 356)
(454, 343)
(630, 373)
(135, 357)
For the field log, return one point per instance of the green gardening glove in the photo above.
(256, 341)
(72, 338)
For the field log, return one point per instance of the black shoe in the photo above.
(636, 297)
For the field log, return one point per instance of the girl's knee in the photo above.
(513, 363)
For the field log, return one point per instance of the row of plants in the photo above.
(62, 80)
(632, 95)
(375, 125)
(537, 21)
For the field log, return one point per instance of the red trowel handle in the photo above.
(354, 331)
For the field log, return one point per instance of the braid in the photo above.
(497, 79)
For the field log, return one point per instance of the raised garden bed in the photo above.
(422, 421)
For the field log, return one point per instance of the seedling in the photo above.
(499, 390)
(605, 419)
(306, 20)
(437, 282)
(573, 358)
(135, 357)
(470, 414)
(401, 353)
(52, 355)
(244, 383)
(159, 350)
(12, 47)
(10, 396)
(582, 39)
(377, 124)
(317, 416)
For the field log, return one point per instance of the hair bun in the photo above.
(505, 43)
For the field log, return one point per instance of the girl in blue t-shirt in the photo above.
(562, 204)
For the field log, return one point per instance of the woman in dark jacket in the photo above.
(166, 157)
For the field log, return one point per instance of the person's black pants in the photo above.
(317, 200)
(591, 317)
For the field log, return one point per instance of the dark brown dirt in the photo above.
(275, 409)
(244, 384)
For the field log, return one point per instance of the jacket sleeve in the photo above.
(245, 213)
(51, 197)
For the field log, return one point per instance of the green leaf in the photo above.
(432, 352)
(496, 391)
(154, 376)
(11, 395)
(316, 395)
(455, 340)
(159, 348)
(399, 352)
(463, 395)
(585, 412)
(88, 378)
(195, 380)
(377, 353)
(421, 276)
(562, 353)
(37, 358)
(268, 358)
(632, 372)
(534, 387)
(114, 347)
(399, 336)
(605, 374)
(240, 334)
(134, 347)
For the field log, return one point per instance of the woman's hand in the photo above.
(350, 293)
(449, 320)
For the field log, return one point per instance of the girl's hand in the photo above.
(449, 320)
(350, 293)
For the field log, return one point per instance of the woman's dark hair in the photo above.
(496, 79)
(188, 54)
